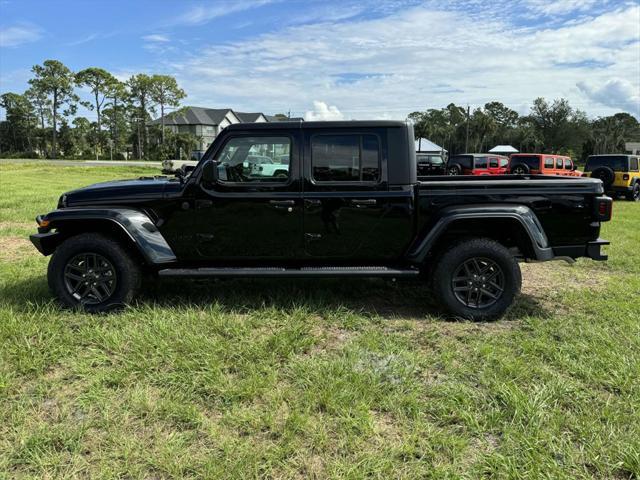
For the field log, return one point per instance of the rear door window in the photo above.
(559, 165)
(493, 162)
(345, 158)
(549, 162)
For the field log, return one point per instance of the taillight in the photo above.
(625, 177)
(603, 209)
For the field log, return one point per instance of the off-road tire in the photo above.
(634, 194)
(128, 275)
(454, 169)
(521, 169)
(604, 174)
(454, 258)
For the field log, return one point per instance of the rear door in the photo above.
(481, 166)
(494, 165)
(345, 195)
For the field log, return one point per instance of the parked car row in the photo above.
(620, 174)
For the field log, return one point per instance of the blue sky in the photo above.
(343, 59)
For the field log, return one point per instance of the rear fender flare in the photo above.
(135, 224)
(520, 213)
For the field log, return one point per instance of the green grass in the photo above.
(315, 379)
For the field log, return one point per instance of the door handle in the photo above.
(312, 202)
(364, 202)
(282, 203)
(204, 236)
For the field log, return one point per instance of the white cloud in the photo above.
(615, 93)
(19, 34)
(156, 38)
(322, 111)
(560, 7)
(393, 67)
(202, 14)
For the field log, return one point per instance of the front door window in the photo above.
(255, 159)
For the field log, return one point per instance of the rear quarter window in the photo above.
(633, 164)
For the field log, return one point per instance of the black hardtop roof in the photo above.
(328, 124)
(524, 154)
(613, 155)
(477, 155)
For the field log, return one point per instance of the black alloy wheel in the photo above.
(454, 170)
(520, 170)
(90, 278)
(478, 282)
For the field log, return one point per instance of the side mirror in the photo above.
(210, 171)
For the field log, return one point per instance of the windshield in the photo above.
(618, 163)
(432, 159)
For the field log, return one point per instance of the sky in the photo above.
(332, 59)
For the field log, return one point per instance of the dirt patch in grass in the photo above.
(4, 225)
(541, 278)
(14, 248)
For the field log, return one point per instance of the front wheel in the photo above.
(634, 195)
(477, 279)
(94, 273)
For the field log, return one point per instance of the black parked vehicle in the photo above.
(343, 202)
(430, 164)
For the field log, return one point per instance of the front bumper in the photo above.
(590, 250)
(46, 243)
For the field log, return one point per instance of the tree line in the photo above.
(550, 127)
(42, 121)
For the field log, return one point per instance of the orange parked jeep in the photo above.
(542, 164)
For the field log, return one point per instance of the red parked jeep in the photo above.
(477, 164)
(542, 164)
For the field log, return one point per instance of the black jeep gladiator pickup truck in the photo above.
(319, 199)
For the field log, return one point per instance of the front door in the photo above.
(254, 211)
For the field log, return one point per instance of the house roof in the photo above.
(273, 118)
(249, 117)
(424, 145)
(503, 149)
(194, 116)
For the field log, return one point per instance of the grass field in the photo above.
(317, 379)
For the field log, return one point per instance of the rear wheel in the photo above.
(93, 273)
(634, 195)
(520, 169)
(477, 279)
(454, 170)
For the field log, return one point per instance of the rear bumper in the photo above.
(46, 243)
(590, 250)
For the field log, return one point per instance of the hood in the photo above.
(118, 191)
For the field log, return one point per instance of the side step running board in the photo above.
(323, 272)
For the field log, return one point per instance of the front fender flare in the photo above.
(520, 213)
(135, 224)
